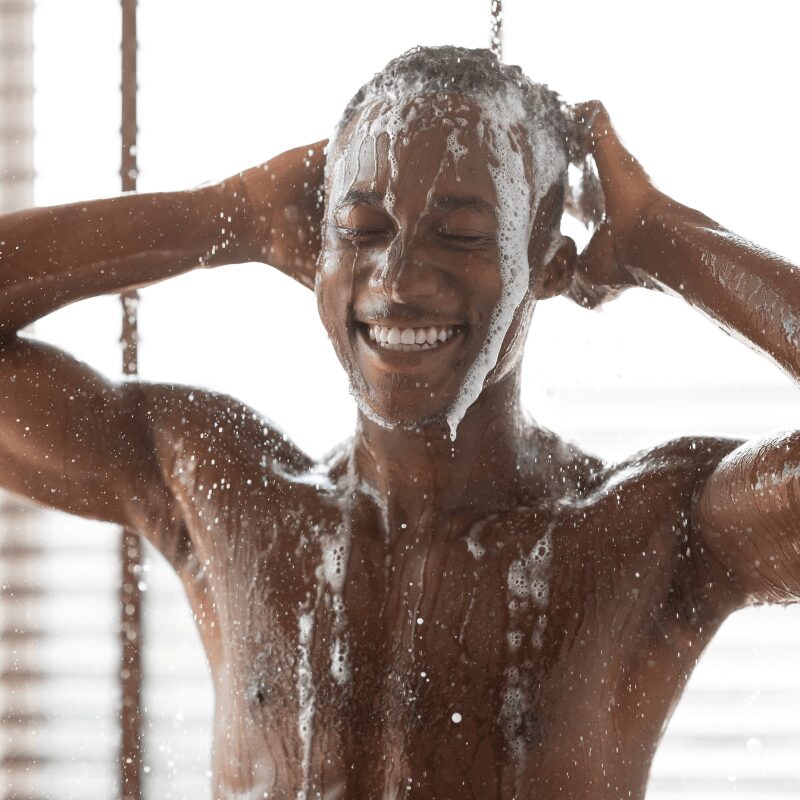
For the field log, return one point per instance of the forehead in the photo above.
(411, 145)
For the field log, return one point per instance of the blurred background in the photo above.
(702, 92)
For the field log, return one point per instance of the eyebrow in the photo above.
(456, 202)
(447, 202)
(357, 197)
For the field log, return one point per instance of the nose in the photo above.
(404, 275)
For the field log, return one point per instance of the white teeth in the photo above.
(410, 339)
(408, 336)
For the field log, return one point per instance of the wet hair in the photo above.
(476, 73)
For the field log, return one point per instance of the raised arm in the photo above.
(748, 511)
(69, 438)
(50, 257)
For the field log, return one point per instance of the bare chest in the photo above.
(349, 658)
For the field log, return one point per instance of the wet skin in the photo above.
(554, 603)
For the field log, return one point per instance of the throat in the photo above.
(422, 474)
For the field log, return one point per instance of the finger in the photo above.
(587, 130)
(596, 135)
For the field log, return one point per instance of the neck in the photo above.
(421, 472)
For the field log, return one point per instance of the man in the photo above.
(457, 604)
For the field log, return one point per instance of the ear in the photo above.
(554, 274)
(552, 257)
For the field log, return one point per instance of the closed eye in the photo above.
(464, 236)
(359, 234)
(465, 240)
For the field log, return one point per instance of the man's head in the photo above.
(444, 188)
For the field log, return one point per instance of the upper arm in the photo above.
(123, 452)
(76, 442)
(748, 514)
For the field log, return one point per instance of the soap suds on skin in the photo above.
(528, 582)
(331, 579)
(335, 552)
(476, 549)
(515, 207)
(306, 696)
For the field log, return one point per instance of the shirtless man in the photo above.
(495, 615)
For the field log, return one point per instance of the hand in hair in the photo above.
(616, 208)
(284, 201)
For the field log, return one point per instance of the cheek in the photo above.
(485, 287)
(333, 288)
(344, 270)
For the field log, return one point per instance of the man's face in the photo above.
(411, 275)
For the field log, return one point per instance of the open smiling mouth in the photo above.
(410, 340)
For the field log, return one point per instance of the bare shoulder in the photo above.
(646, 491)
(196, 433)
(220, 459)
(210, 425)
(564, 476)
(685, 462)
(644, 510)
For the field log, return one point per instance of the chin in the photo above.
(396, 409)
(407, 389)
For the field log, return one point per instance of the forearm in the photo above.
(50, 257)
(751, 292)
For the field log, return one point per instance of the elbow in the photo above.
(15, 314)
(9, 335)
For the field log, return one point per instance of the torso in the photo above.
(535, 652)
